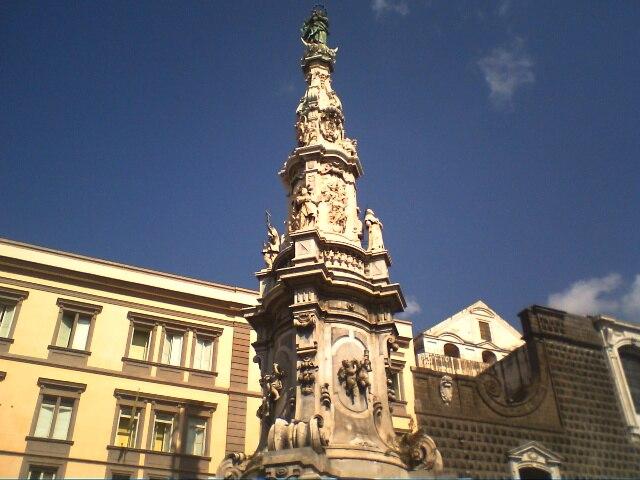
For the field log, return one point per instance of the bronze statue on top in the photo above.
(316, 28)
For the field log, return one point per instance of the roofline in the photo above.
(76, 256)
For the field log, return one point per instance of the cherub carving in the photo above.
(347, 375)
(363, 372)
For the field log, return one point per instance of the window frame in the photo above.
(136, 323)
(43, 468)
(211, 335)
(77, 308)
(11, 298)
(60, 390)
(163, 408)
(172, 330)
(207, 433)
(487, 325)
(125, 403)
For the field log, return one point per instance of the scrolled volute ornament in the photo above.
(419, 452)
(233, 466)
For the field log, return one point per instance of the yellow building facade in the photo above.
(112, 371)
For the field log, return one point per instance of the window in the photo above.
(532, 473)
(203, 356)
(6, 319)
(172, 348)
(75, 325)
(73, 331)
(55, 410)
(54, 418)
(450, 350)
(42, 473)
(489, 357)
(485, 330)
(196, 435)
(140, 340)
(162, 432)
(630, 359)
(10, 301)
(120, 476)
(127, 430)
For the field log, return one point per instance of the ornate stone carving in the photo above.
(233, 466)
(271, 384)
(392, 344)
(331, 125)
(304, 320)
(325, 396)
(334, 194)
(338, 258)
(374, 226)
(306, 375)
(391, 391)
(296, 434)
(305, 210)
(446, 389)
(347, 375)
(419, 452)
(271, 247)
(355, 373)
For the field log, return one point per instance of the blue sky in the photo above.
(499, 140)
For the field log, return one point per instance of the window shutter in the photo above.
(63, 420)
(64, 332)
(6, 319)
(82, 333)
(45, 417)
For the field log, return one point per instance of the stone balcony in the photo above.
(451, 365)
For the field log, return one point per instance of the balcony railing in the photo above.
(453, 366)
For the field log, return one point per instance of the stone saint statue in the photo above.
(271, 247)
(374, 226)
(306, 208)
(316, 28)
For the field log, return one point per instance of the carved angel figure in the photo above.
(375, 231)
(271, 247)
(347, 375)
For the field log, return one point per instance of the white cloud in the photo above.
(382, 6)
(505, 70)
(588, 296)
(413, 308)
(631, 301)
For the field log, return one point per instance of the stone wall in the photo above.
(567, 404)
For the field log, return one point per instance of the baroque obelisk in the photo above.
(324, 320)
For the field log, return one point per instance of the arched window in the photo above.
(630, 359)
(450, 350)
(532, 473)
(489, 357)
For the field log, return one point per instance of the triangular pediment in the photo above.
(535, 448)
